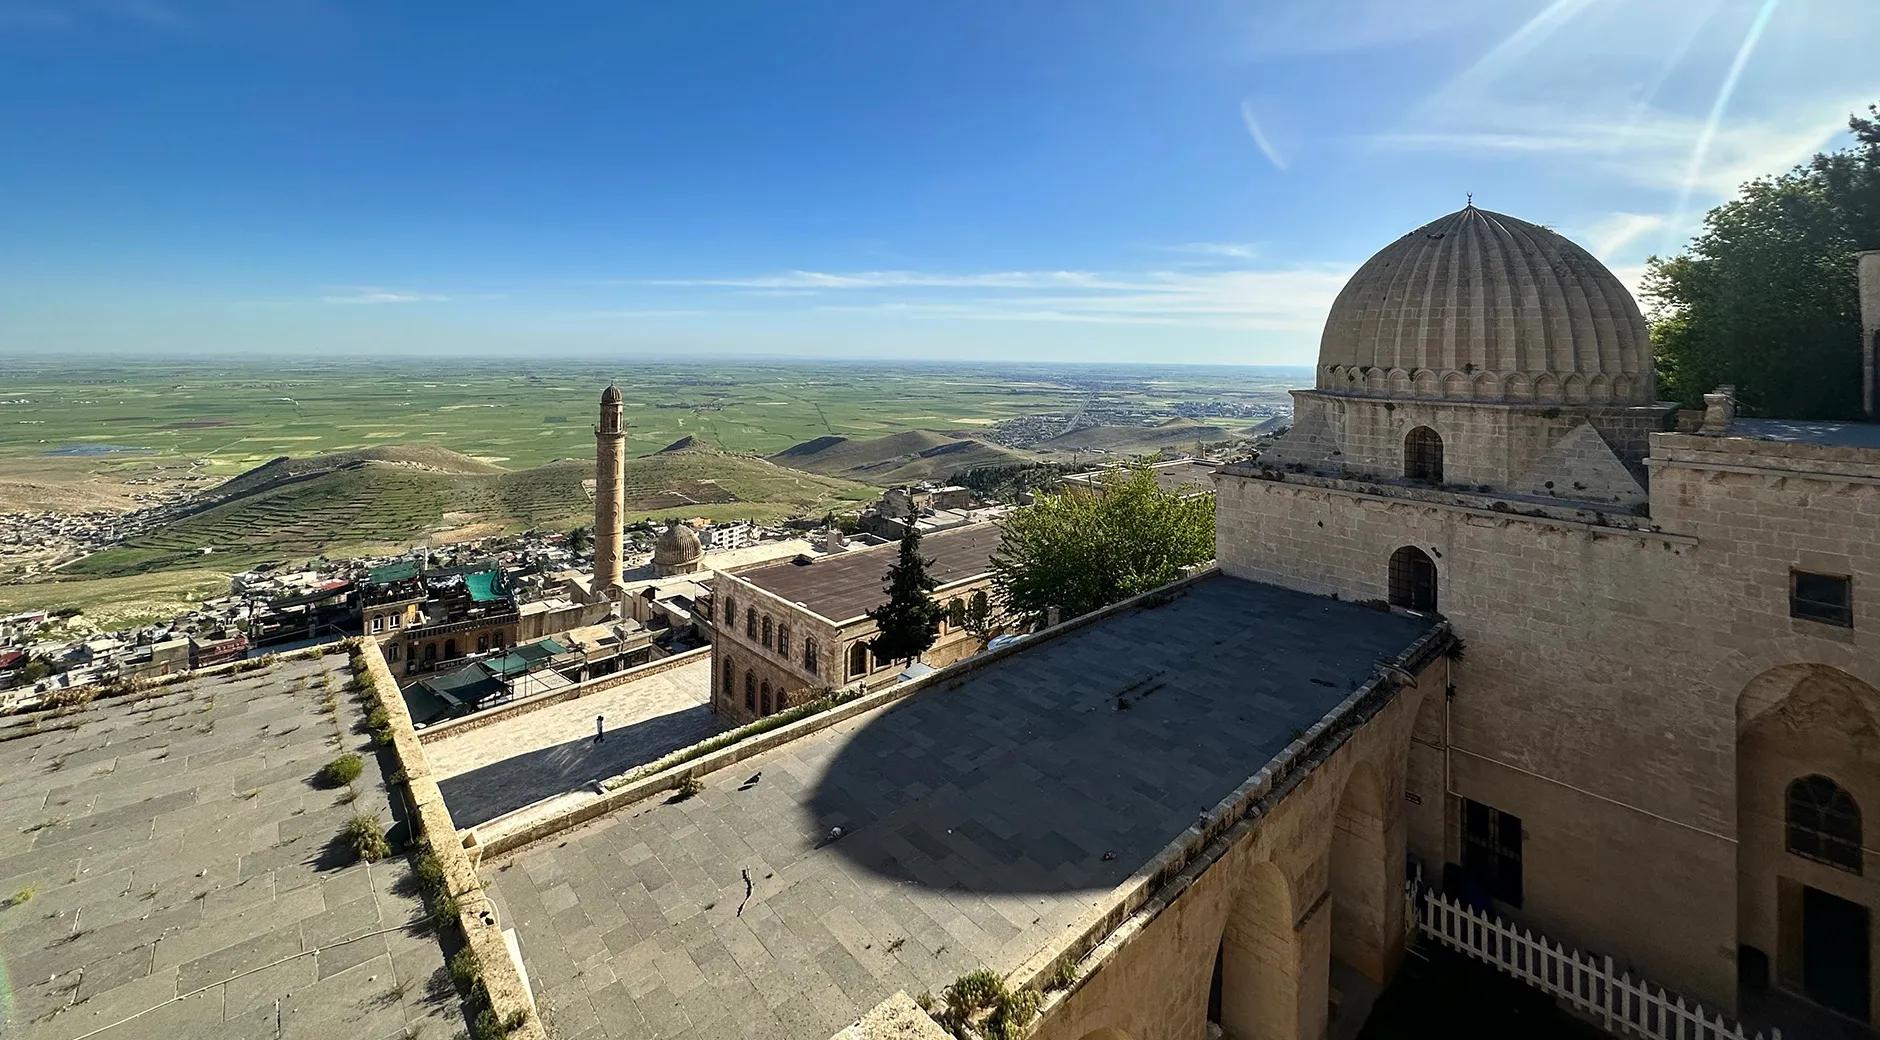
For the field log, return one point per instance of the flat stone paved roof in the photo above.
(166, 871)
(506, 765)
(980, 821)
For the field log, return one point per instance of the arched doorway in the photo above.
(1807, 894)
(1264, 973)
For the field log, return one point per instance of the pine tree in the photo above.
(909, 621)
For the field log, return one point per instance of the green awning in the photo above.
(484, 586)
(401, 570)
(522, 659)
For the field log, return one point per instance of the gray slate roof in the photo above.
(976, 819)
(170, 846)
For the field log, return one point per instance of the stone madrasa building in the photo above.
(1490, 615)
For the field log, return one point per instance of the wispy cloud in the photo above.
(1654, 151)
(1260, 140)
(1616, 231)
(374, 296)
(1220, 250)
(817, 280)
(633, 314)
(1290, 299)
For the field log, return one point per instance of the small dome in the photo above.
(1481, 306)
(677, 544)
(611, 395)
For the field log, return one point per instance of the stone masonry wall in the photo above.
(786, 673)
(1597, 697)
(1489, 445)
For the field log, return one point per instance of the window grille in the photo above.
(1824, 823)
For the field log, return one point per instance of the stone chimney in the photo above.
(1870, 332)
(1719, 411)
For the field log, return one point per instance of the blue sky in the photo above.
(1096, 181)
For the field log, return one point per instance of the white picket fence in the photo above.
(1619, 1002)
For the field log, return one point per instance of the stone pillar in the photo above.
(1870, 331)
(610, 448)
(1719, 411)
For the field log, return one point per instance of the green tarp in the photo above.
(483, 586)
(402, 570)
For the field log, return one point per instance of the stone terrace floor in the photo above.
(496, 769)
(979, 822)
(167, 871)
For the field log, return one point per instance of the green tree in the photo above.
(1083, 550)
(1765, 298)
(909, 621)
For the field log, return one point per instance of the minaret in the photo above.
(610, 492)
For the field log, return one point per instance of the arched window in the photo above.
(1423, 455)
(391, 651)
(763, 698)
(980, 603)
(956, 612)
(731, 683)
(483, 643)
(766, 636)
(750, 692)
(750, 622)
(1412, 579)
(1824, 822)
(858, 659)
(731, 611)
(450, 649)
(809, 656)
(430, 652)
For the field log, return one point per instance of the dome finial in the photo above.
(1471, 204)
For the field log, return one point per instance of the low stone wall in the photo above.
(711, 762)
(431, 822)
(896, 1018)
(524, 705)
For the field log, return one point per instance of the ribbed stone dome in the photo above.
(677, 544)
(611, 395)
(1478, 305)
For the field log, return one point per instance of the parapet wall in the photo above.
(431, 823)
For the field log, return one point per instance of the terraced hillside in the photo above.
(310, 507)
(897, 458)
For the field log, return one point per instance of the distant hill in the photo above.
(1176, 433)
(685, 443)
(897, 458)
(293, 509)
(425, 457)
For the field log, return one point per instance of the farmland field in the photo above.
(384, 455)
(81, 424)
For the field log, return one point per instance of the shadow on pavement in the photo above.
(487, 792)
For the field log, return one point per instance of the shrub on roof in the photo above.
(342, 770)
(365, 835)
